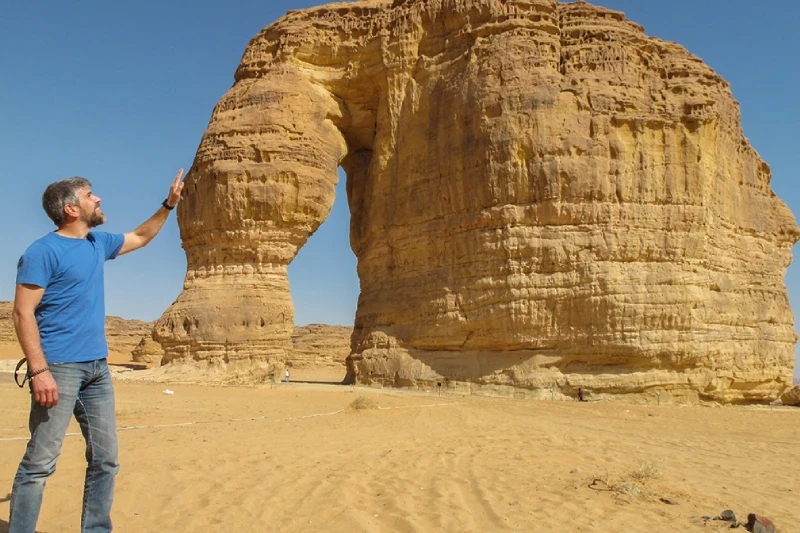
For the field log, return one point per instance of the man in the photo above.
(59, 316)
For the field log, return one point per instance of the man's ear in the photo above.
(72, 211)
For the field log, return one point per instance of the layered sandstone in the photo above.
(542, 198)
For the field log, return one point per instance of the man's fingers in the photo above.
(45, 393)
(178, 177)
(44, 399)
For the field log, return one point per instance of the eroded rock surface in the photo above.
(542, 198)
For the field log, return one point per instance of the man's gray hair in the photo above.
(62, 193)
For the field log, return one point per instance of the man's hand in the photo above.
(175, 189)
(45, 390)
(150, 227)
(26, 300)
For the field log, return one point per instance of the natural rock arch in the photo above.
(541, 196)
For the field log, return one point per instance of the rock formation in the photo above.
(148, 351)
(542, 198)
(791, 396)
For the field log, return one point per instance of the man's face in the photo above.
(89, 207)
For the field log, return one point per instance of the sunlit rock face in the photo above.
(542, 198)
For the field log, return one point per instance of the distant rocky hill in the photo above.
(123, 334)
(7, 335)
(319, 344)
(313, 345)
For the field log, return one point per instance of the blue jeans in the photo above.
(85, 390)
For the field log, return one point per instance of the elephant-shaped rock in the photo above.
(542, 198)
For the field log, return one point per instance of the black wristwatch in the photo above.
(166, 206)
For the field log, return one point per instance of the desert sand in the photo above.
(299, 457)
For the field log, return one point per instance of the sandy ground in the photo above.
(299, 457)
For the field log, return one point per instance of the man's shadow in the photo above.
(3, 523)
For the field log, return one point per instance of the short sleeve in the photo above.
(36, 266)
(111, 242)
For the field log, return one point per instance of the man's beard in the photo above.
(93, 219)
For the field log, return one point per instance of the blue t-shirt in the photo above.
(71, 315)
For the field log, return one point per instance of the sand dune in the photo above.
(296, 458)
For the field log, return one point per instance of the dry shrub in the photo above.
(645, 471)
(629, 486)
(362, 403)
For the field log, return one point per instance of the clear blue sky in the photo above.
(121, 92)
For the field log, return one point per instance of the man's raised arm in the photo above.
(150, 228)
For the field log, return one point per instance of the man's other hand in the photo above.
(45, 390)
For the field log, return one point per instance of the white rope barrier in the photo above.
(413, 406)
(186, 424)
